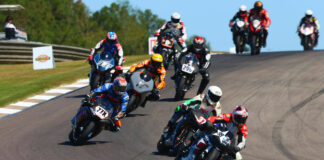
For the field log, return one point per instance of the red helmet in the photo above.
(198, 42)
(111, 37)
(120, 85)
(240, 115)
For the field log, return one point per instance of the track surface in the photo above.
(283, 93)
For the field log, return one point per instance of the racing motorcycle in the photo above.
(189, 67)
(167, 46)
(140, 86)
(102, 70)
(185, 128)
(255, 35)
(211, 145)
(91, 119)
(307, 32)
(239, 35)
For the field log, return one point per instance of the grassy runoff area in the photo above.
(19, 81)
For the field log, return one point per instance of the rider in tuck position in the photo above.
(208, 103)
(309, 18)
(116, 94)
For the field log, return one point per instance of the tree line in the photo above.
(70, 22)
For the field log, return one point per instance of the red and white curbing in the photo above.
(46, 96)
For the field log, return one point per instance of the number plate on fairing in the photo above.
(101, 112)
(187, 68)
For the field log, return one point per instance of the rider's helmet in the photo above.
(175, 19)
(239, 115)
(243, 9)
(258, 6)
(111, 37)
(156, 60)
(212, 96)
(198, 42)
(120, 86)
(309, 13)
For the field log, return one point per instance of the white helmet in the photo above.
(243, 8)
(214, 93)
(309, 12)
(175, 18)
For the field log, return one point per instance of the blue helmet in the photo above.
(111, 37)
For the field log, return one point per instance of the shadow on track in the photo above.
(68, 143)
(135, 115)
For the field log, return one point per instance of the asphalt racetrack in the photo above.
(282, 91)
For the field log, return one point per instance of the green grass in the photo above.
(19, 81)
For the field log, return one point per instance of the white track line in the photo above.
(58, 91)
(8, 111)
(75, 85)
(23, 104)
(41, 97)
(84, 80)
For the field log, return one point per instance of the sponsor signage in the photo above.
(152, 43)
(43, 58)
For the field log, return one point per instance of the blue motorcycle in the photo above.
(102, 70)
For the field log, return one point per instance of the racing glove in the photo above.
(90, 59)
(230, 24)
(119, 115)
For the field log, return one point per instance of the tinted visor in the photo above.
(239, 119)
(213, 97)
(120, 89)
(111, 41)
(156, 64)
(175, 20)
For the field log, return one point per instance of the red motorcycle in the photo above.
(255, 35)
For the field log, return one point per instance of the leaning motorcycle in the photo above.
(139, 87)
(239, 35)
(102, 70)
(167, 46)
(211, 145)
(91, 119)
(255, 36)
(188, 68)
(307, 32)
(185, 128)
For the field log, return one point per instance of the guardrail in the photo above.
(22, 52)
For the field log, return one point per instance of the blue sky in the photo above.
(210, 18)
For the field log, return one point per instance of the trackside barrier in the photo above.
(22, 52)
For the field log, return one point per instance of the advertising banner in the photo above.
(152, 43)
(43, 58)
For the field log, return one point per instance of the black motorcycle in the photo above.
(239, 35)
(91, 119)
(188, 68)
(139, 87)
(185, 128)
(212, 145)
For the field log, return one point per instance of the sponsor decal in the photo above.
(42, 58)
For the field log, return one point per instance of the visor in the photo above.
(175, 20)
(213, 97)
(240, 119)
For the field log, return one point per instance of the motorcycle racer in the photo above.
(208, 103)
(115, 93)
(236, 122)
(174, 23)
(111, 47)
(261, 13)
(154, 65)
(241, 14)
(199, 48)
(309, 18)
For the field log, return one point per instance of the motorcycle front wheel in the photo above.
(255, 45)
(131, 104)
(95, 81)
(213, 154)
(238, 43)
(84, 135)
(180, 93)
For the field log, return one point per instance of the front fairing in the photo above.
(104, 62)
